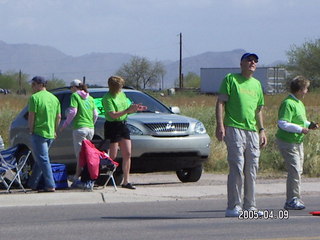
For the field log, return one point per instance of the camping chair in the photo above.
(108, 167)
(96, 162)
(10, 166)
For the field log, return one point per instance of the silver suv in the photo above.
(1, 144)
(161, 139)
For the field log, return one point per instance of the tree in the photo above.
(141, 73)
(191, 80)
(55, 83)
(15, 82)
(305, 60)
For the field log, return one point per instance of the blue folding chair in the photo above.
(10, 168)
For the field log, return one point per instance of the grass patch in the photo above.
(10, 106)
(202, 107)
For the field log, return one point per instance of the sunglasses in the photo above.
(252, 60)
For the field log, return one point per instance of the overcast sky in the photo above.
(150, 28)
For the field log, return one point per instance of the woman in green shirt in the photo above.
(117, 107)
(292, 127)
(83, 115)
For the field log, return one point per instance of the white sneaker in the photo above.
(254, 209)
(235, 212)
(294, 204)
(72, 178)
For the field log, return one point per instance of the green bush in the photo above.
(271, 162)
(11, 105)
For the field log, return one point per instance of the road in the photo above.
(155, 220)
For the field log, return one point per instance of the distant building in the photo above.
(273, 79)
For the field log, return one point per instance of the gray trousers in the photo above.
(243, 158)
(78, 136)
(293, 155)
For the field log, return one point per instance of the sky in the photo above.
(150, 28)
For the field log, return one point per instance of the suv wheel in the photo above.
(26, 171)
(190, 174)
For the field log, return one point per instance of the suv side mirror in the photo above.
(175, 109)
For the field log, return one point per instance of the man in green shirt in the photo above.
(43, 121)
(241, 98)
(292, 127)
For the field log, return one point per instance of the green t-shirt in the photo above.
(116, 103)
(244, 97)
(46, 107)
(85, 109)
(292, 110)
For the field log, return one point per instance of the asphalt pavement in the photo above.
(151, 187)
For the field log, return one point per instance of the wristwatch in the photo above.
(261, 129)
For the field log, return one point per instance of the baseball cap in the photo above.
(75, 83)
(246, 55)
(38, 80)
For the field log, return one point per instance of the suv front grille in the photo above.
(168, 127)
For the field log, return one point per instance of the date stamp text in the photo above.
(281, 214)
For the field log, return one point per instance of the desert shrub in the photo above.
(202, 107)
(11, 105)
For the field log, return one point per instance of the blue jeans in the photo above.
(42, 166)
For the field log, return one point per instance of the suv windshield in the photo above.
(135, 97)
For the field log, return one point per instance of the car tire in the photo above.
(190, 174)
(26, 171)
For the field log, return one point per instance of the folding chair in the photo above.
(9, 165)
(97, 162)
(108, 167)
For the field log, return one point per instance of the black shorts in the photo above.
(115, 131)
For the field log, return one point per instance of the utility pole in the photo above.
(20, 82)
(180, 64)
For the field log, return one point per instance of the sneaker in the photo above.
(129, 186)
(77, 184)
(235, 212)
(294, 204)
(88, 186)
(72, 178)
(254, 209)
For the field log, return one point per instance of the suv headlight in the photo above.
(134, 130)
(199, 128)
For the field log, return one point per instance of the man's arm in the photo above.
(262, 134)
(31, 116)
(58, 119)
(220, 130)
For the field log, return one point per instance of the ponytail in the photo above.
(83, 87)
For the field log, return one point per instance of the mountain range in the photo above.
(51, 63)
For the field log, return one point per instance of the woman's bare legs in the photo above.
(125, 147)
